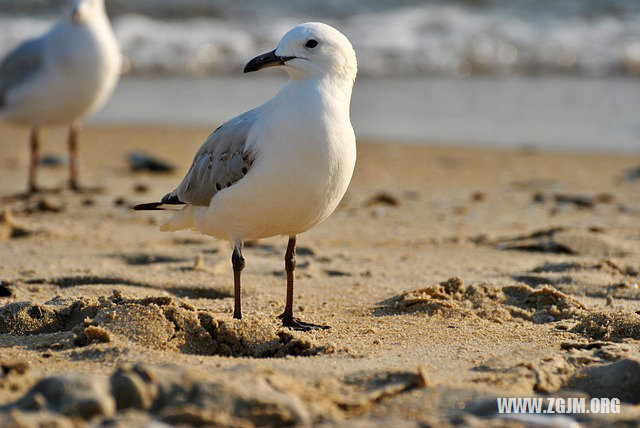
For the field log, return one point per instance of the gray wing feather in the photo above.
(221, 161)
(20, 64)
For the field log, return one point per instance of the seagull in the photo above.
(61, 77)
(281, 168)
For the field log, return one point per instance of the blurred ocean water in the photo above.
(549, 74)
(564, 113)
(392, 38)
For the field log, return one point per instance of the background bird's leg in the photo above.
(73, 158)
(33, 162)
(287, 316)
(238, 264)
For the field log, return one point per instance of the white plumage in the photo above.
(304, 153)
(283, 167)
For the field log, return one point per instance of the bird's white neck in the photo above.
(98, 20)
(328, 88)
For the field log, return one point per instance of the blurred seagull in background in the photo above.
(61, 77)
(281, 168)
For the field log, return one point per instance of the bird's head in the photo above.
(82, 11)
(311, 50)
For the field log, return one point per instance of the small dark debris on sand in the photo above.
(581, 201)
(558, 267)
(539, 197)
(140, 188)
(538, 241)
(632, 174)
(305, 251)
(560, 240)
(383, 198)
(192, 241)
(628, 209)
(333, 272)
(139, 162)
(52, 161)
(137, 259)
(586, 201)
(121, 201)
(478, 197)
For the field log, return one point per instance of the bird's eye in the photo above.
(311, 43)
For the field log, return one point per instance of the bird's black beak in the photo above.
(269, 59)
(76, 15)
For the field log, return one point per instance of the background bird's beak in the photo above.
(269, 59)
(76, 15)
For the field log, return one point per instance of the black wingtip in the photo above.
(148, 207)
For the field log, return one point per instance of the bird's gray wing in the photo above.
(20, 64)
(221, 161)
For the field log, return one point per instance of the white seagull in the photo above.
(61, 77)
(283, 167)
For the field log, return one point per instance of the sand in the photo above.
(450, 276)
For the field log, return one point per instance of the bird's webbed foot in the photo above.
(299, 325)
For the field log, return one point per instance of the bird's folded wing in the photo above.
(221, 161)
(21, 63)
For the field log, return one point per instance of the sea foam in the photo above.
(426, 38)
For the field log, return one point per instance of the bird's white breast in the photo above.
(305, 148)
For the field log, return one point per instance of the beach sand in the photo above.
(450, 276)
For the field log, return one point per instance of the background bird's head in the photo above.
(311, 50)
(83, 10)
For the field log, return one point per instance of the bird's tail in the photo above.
(169, 202)
(181, 220)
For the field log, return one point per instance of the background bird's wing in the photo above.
(221, 161)
(20, 64)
